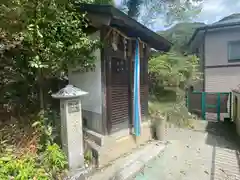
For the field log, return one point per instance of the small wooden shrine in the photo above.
(110, 105)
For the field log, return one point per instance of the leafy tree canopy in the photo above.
(50, 32)
(173, 69)
(147, 11)
(38, 40)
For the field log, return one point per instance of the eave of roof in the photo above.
(236, 91)
(212, 27)
(152, 38)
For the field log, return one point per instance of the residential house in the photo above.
(218, 47)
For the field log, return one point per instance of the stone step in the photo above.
(96, 137)
(106, 154)
(127, 166)
(108, 148)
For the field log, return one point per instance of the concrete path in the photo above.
(127, 166)
(196, 155)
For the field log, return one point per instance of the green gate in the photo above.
(209, 102)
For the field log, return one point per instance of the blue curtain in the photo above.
(136, 95)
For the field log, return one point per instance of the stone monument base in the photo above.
(106, 149)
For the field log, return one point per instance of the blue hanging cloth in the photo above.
(136, 95)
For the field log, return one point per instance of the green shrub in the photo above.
(49, 162)
(54, 159)
(169, 74)
(172, 70)
(21, 167)
(42, 166)
(88, 157)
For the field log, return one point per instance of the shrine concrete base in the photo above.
(108, 148)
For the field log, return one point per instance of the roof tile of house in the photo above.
(231, 20)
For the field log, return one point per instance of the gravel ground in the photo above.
(196, 155)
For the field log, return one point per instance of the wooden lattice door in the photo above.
(119, 94)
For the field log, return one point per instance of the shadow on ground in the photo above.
(207, 152)
(226, 131)
(223, 138)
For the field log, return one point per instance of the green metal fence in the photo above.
(214, 102)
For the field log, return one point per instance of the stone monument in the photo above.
(71, 125)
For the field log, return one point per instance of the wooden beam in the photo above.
(130, 82)
(146, 55)
(99, 20)
(103, 82)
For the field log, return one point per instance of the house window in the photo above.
(234, 51)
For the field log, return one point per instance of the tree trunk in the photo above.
(41, 91)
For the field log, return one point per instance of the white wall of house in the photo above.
(222, 79)
(89, 82)
(225, 78)
(216, 46)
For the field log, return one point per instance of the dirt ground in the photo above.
(203, 154)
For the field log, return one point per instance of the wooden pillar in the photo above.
(106, 79)
(130, 83)
(146, 88)
(103, 33)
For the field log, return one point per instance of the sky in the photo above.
(212, 11)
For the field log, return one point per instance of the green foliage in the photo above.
(54, 159)
(45, 130)
(46, 164)
(50, 32)
(39, 40)
(88, 157)
(55, 38)
(173, 69)
(170, 11)
(175, 110)
(43, 166)
(180, 34)
(169, 74)
(23, 167)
